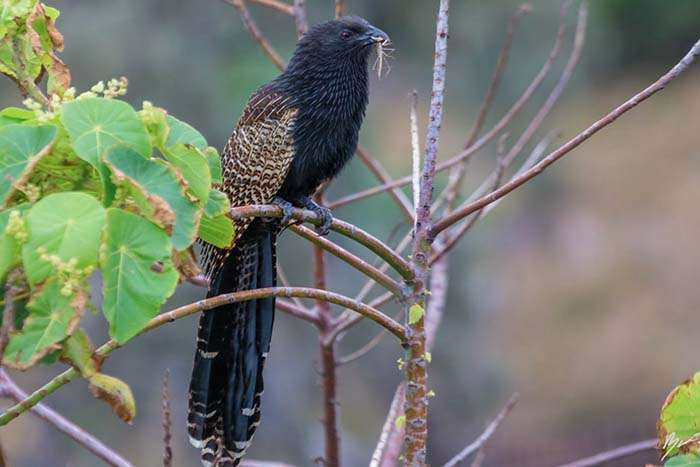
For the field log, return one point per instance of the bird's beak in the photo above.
(377, 36)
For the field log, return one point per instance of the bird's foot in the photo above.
(322, 212)
(287, 209)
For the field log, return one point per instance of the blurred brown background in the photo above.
(580, 291)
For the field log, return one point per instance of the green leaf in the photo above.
(77, 351)
(679, 423)
(21, 148)
(181, 132)
(162, 188)
(53, 316)
(217, 204)
(116, 393)
(133, 290)
(194, 168)
(10, 115)
(686, 460)
(65, 225)
(214, 160)
(219, 231)
(415, 314)
(96, 124)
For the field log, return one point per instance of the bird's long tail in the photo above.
(232, 344)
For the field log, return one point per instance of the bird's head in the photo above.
(347, 38)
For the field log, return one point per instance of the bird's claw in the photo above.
(287, 209)
(324, 213)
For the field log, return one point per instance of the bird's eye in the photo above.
(345, 34)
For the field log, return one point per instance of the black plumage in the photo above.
(296, 132)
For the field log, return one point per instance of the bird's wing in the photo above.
(255, 160)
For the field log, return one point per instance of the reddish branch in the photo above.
(254, 31)
(276, 5)
(572, 144)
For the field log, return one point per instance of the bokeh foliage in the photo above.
(89, 185)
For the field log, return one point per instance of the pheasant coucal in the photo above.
(296, 132)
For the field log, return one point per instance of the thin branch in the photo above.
(494, 131)
(383, 176)
(354, 261)
(254, 31)
(415, 150)
(385, 449)
(616, 113)
(457, 176)
(479, 442)
(298, 312)
(348, 230)
(167, 422)
(8, 388)
(204, 305)
(614, 454)
(276, 5)
(284, 279)
(300, 20)
(491, 183)
(339, 8)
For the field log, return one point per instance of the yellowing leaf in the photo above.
(116, 393)
(679, 423)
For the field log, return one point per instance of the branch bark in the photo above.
(9, 389)
(254, 31)
(613, 454)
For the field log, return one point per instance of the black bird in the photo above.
(296, 132)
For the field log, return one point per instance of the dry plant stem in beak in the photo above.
(383, 51)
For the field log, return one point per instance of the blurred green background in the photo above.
(580, 291)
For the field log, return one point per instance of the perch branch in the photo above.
(572, 144)
(204, 305)
(357, 263)
(348, 230)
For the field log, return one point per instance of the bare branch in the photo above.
(415, 150)
(495, 130)
(339, 8)
(354, 261)
(297, 311)
(385, 448)
(8, 388)
(383, 176)
(204, 305)
(349, 230)
(167, 422)
(254, 31)
(300, 20)
(485, 436)
(276, 5)
(572, 144)
(613, 454)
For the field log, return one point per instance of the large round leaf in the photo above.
(134, 289)
(163, 189)
(67, 225)
(21, 147)
(97, 124)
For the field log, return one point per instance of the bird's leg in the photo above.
(286, 207)
(321, 211)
